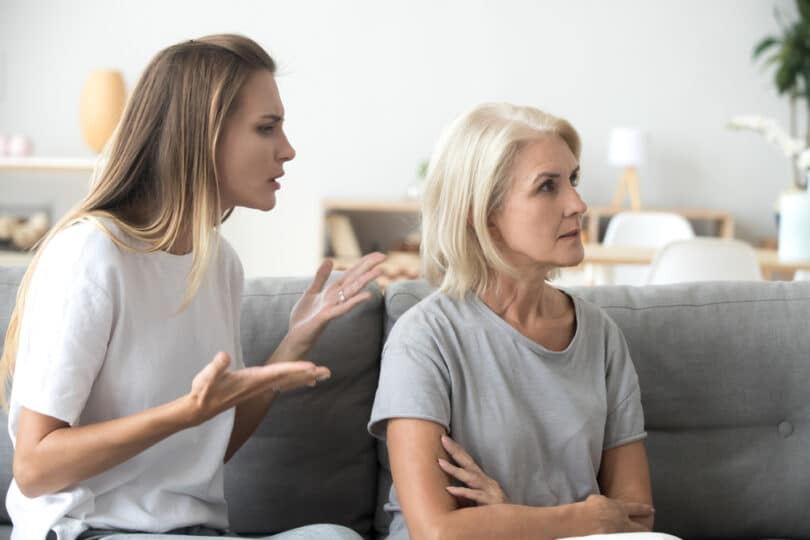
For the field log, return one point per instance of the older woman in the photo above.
(535, 383)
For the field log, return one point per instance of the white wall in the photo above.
(368, 84)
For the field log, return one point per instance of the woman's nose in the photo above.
(575, 204)
(287, 151)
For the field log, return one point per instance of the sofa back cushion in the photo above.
(311, 460)
(724, 370)
(10, 278)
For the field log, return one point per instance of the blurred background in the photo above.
(368, 86)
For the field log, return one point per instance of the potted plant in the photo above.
(789, 54)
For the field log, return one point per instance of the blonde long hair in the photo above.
(160, 183)
(467, 179)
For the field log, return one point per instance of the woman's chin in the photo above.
(264, 205)
(574, 258)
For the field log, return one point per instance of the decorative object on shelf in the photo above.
(102, 102)
(21, 233)
(794, 226)
(626, 149)
(18, 146)
(15, 146)
(398, 266)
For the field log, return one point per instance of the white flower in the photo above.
(803, 159)
(794, 149)
(772, 132)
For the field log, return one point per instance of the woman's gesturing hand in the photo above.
(320, 305)
(215, 388)
(481, 489)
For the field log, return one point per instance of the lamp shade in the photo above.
(626, 147)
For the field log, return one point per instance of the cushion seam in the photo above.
(709, 304)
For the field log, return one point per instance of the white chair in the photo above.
(801, 275)
(705, 259)
(640, 229)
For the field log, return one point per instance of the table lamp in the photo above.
(626, 149)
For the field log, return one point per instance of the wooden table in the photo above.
(771, 266)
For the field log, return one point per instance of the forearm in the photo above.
(510, 521)
(625, 476)
(69, 455)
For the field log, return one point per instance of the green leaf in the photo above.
(805, 78)
(764, 45)
(804, 9)
(785, 78)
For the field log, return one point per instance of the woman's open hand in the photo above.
(319, 305)
(216, 389)
(481, 489)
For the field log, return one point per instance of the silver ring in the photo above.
(341, 296)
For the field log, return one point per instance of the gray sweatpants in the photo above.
(310, 532)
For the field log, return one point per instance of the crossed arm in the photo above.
(431, 511)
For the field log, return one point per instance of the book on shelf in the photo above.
(342, 237)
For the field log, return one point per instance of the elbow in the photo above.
(440, 530)
(28, 477)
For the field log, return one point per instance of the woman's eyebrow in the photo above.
(273, 117)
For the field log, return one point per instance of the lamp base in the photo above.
(629, 183)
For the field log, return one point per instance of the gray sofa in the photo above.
(725, 378)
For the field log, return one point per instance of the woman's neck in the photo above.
(524, 299)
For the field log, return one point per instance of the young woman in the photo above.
(535, 386)
(129, 389)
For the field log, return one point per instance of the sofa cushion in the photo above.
(724, 370)
(10, 278)
(311, 460)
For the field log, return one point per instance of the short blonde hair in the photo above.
(468, 176)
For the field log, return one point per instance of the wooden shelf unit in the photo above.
(47, 164)
(15, 258)
(705, 222)
(377, 224)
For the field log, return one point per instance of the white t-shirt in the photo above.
(102, 338)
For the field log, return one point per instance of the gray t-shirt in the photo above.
(537, 421)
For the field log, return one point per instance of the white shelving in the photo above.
(15, 258)
(40, 164)
(49, 164)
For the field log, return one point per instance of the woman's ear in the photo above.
(492, 226)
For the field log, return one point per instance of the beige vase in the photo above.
(102, 102)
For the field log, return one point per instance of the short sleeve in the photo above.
(414, 383)
(625, 418)
(65, 330)
(236, 287)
